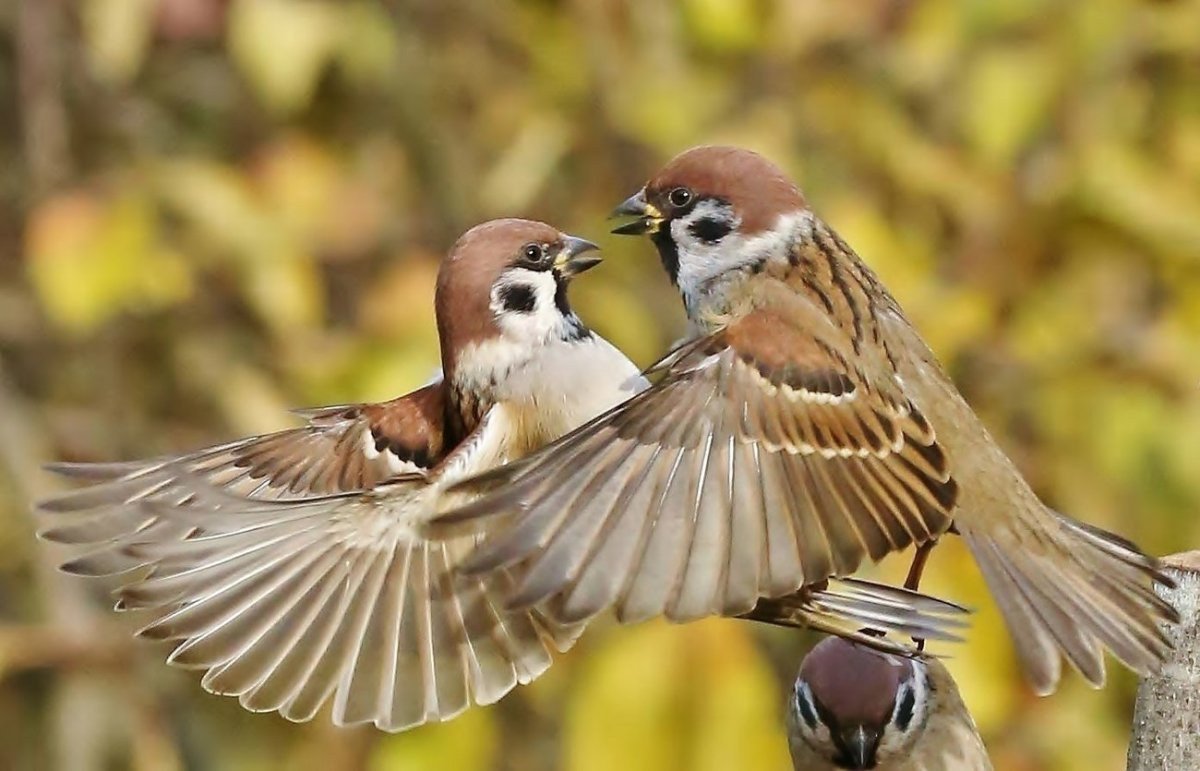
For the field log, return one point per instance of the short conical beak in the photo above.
(574, 258)
(859, 744)
(648, 217)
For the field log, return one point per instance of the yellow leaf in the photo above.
(282, 47)
(117, 35)
(723, 25)
(367, 47)
(1009, 90)
(219, 202)
(297, 180)
(90, 259)
(676, 698)
(285, 289)
(466, 743)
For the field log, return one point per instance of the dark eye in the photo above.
(680, 197)
(532, 252)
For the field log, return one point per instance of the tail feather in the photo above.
(865, 611)
(1075, 592)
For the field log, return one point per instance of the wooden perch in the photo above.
(1166, 720)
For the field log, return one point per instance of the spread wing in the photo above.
(342, 449)
(761, 462)
(289, 567)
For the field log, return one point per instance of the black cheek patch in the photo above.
(806, 711)
(709, 230)
(518, 298)
(904, 713)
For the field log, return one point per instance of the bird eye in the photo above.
(680, 197)
(532, 252)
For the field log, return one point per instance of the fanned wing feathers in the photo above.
(342, 449)
(290, 567)
(760, 463)
(289, 605)
(346, 448)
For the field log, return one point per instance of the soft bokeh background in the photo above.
(212, 210)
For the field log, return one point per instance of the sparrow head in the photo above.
(857, 707)
(503, 288)
(711, 210)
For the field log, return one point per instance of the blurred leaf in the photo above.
(218, 202)
(286, 290)
(1150, 202)
(466, 743)
(90, 259)
(118, 35)
(723, 25)
(399, 302)
(298, 180)
(1010, 90)
(367, 46)
(521, 172)
(660, 697)
(282, 46)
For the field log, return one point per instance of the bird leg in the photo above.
(913, 581)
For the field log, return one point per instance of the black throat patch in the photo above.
(576, 331)
(668, 252)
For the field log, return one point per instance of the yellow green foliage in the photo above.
(212, 210)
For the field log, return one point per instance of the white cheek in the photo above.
(702, 265)
(532, 326)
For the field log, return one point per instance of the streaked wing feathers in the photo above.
(742, 474)
(292, 605)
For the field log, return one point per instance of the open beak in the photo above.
(648, 217)
(574, 257)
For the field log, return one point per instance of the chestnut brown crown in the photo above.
(479, 262)
(757, 189)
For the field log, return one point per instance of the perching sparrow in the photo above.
(292, 567)
(857, 708)
(804, 427)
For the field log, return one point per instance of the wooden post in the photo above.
(1166, 720)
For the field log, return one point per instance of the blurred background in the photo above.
(213, 210)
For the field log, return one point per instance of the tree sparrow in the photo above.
(289, 566)
(804, 427)
(857, 708)
(292, 567)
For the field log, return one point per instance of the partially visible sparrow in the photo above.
(292, 566)
(803, 428)
(857, 708)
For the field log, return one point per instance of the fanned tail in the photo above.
(864, 611)
(1080, 591)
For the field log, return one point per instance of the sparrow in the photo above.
(292, 566)
(802, 428)
(854, 707)
(289, 566)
